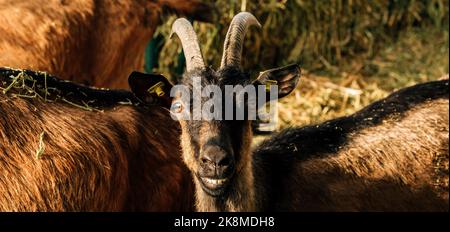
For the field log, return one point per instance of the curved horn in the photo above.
(232, 48)
(183, 28)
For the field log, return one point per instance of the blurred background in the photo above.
(352, 52)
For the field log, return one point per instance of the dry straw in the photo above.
(355, 51)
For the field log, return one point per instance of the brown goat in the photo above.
(59, 153)
(390, 156)
(94, 42)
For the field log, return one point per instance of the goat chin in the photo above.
(389, 156)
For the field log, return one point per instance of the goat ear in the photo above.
(150, 88)
(285, 77)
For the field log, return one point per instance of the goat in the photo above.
(380, 158)
(390, 156)
(96, 43)
(59, 153)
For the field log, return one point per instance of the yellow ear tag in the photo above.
(269, 83)
(157, 88)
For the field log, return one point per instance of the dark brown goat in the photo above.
(94, 42)
(58, 153)
(390, 156)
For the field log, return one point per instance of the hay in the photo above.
(41, 147)
(410, 60)
(76, 105)
(22, 87)
(352, 52)
(128, 102)
(320, 35)
(26, 86)
(317, 99)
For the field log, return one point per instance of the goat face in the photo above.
(216, 147)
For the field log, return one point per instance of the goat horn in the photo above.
(232, 48)
(183, 28)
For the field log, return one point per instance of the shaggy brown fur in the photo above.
(94, 42)
(120, 159)
(390, 156)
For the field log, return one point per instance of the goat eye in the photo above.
(176, 107)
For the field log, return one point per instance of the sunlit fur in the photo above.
(97, 43)
(382, 158)
(121, 159)
(390, 156)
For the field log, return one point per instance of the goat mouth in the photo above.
(214, 186)
(214, 183)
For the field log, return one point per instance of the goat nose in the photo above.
(216, 157)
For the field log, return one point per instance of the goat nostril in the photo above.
(216, 161)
